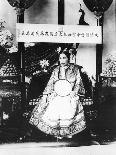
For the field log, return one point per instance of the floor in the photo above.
(56, 149)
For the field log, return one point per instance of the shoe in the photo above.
(93, 142)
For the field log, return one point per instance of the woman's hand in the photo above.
(74, 95)
(49, 97)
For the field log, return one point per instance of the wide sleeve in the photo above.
(50, 85)
(79, 87)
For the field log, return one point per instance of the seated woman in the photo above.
(59, 112)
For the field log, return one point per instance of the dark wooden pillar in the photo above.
(21, 52)
(61, 12)
(61, 16)
(99, 50)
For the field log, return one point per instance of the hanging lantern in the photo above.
(21, 3)
(98, 6)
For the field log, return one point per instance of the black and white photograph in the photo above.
(57, 77)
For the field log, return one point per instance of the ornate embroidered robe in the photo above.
(59, 111)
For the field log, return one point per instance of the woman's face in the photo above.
(63, 59)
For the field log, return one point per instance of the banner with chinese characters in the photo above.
(58, 33)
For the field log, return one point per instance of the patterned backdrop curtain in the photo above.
(42, 53)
